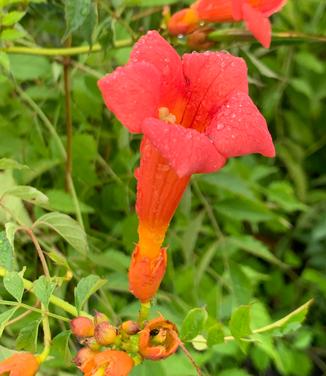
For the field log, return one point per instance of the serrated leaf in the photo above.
(241, 284)
(67, 228)
(14, 284)
(43, 289)
(85, 288)
(290, 322)
(193, 324)
(27, 337)
(12, 17)
(10, 164)
(6, 252)
(27, 193)
(76, 13)
(240, 325)
(255, 247)
(215, 335)
(5, 317)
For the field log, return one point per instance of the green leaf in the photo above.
(255, 247)
(5, 317)
(193, 324)
(76, 13)
(240, 325)
(14, 284)
(241, 284)
(27, 193)
(60, 347)
(6, 252)
(234, 372)
(190, 236)
(290, 322)
(215, 335)
(66, 227)
(10, 164)
(85, 288)
(43, 289)
(11, 229)
(11, 34)
(27, 337)
(58, 258)
(5, 63)
(12, 17)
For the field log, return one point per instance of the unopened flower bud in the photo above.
(105, 334)
(130, 327)
(84, 356)
(82, 327)
(100, 317)
(91, 343)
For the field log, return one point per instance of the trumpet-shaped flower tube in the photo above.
(195, 113)
(19, 364)
(255, 13)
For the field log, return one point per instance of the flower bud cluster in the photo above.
(106, 345)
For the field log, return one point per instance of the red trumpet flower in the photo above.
(255, 13)
(194, 112)
(19, 364)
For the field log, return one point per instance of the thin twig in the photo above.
(188, 355)
(69, 131)
(23, 315)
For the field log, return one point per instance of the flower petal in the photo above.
(269, 7)
(239, 128)
(186, 150)
(216, 11)
(212, 77)
(183, 22)
(154, 49)
(258, 24)
(132, 93)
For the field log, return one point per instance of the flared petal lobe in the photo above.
(132, 93)
(159, 339)
(186, 150)
(155, 50)
(211, 77)
(239, 128)
(146, 274)
(115, 363)
(258, 24)
(20, 364)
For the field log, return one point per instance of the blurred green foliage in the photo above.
(251, 236)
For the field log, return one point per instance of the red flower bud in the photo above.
(105, 334)
(82, 327)
(84, 359)
(19, 364)
(130, 327)
(146, 274)
(100, 317)
(159, 339)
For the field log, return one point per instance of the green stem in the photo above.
(71, 51)
(144, 312)
(47, 336)
(67, 307)
(34, 309)
(236, 35)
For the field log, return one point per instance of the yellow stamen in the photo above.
(165, 115)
